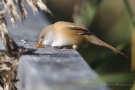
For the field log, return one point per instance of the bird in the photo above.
(63, 34)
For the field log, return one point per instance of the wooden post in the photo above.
(56, 69)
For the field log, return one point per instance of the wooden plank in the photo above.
(56, 69)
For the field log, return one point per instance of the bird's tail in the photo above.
(97, 41)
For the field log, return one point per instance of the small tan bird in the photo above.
(65, 34)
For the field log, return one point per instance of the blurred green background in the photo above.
(110, 21)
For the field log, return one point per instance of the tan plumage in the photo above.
(63, 34)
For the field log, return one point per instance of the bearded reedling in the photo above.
(69, 35)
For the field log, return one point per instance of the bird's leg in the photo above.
(39, 44)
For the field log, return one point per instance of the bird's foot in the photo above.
(75, 47)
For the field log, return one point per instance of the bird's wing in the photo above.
(84, 31)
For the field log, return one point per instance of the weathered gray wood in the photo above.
(56, 69)
(29, 29)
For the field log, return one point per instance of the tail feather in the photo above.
(97, 41)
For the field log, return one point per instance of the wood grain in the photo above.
(56, 69)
